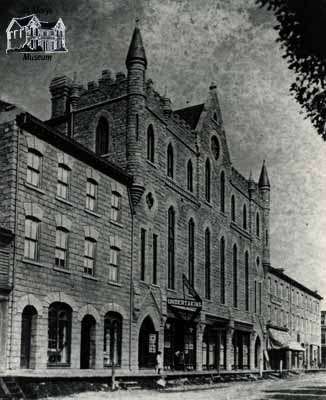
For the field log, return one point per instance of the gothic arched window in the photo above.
(190, 183)
(150, 144)
(102, 136)
(207, 181)
(170, 161)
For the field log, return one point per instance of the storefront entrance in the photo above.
(87, 343)
(147, 344)
(241, 350)
(28, 331)
(179, 345)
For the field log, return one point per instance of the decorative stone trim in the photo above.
(34, 143)
(91, 232)
(63, 222)
(29, 300)
(60, 297)
(115, 308)
(65, 159)
(33, 210)
(88, 309)
(93, 174)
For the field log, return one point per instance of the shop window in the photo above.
(61, 248)
(116, 209)
(31, 245)
(63, 181)
(59, 334)
(190, 185)
(89, 256)
(91, 195)
(102, 136)
(171, 247)
(34, 168)
(150, 144)
(112, 339)
(191, 251)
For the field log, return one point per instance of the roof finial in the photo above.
(137, 22)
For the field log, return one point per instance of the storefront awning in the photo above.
(282, 340)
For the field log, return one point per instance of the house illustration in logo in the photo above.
(29, 34)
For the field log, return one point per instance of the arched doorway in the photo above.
(28, 337)
(59, 334)
(88, 342)
(112, 339)
(147, 344)
(257, 351)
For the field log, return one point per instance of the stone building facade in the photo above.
(292, 322)
(128, 231)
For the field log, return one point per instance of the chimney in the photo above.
(60, 90)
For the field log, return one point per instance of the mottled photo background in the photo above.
(189, 43)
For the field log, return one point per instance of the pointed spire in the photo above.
(136, 52)
(263, 179)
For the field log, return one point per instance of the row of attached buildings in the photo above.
(125, 230)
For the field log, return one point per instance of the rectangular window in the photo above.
(91, 195)
(114, 264)
(116, 207)
(63, 181)
(269, 315)
(61, 246)
(34, 166)
(142, 254)
(323, 338)
(89, 256)
(31, 239)
(260, 294)
(269, 285)
(154, 277)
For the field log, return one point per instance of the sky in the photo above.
(190, 43)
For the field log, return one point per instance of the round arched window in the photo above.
(215, 147)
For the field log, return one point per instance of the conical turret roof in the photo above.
(136, 50)
(263, 179)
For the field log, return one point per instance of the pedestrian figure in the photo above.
(159, 362)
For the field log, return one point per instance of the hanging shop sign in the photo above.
(184, 303)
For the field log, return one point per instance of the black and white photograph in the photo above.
(163, 199)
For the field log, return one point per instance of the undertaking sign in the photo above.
(184, 303)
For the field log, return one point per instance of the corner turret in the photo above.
(264, 188)
(263, 182)
(136, 63)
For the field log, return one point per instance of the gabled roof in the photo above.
(23, 21)
(191, 114)
(4, 106)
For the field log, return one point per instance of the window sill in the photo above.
(58, 365)
(118, 224)
(90, 277)
(113, 283)
(155, 285)
(34, 262)
(92, 213)
(65, 201)
(35, 188)
(65, 271)
(151, 163)
(171, 290)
